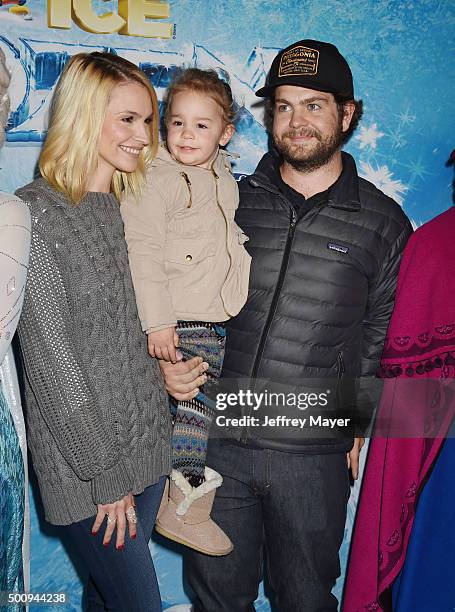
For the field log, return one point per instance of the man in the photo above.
(325, 248)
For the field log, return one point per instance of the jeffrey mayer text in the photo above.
(280, 421)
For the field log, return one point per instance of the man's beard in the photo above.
(305, 159)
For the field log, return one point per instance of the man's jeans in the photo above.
(284, 508)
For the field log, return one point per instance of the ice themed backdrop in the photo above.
(401, 54)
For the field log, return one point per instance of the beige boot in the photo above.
(186, 518)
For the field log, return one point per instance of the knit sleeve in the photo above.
(65, 401)
(145, 221)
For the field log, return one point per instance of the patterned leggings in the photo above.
(192, 418)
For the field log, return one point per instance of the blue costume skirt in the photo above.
(427, 581)
(12, 502)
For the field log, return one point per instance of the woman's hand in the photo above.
(162, 344)
(183, 379)
(118, 515)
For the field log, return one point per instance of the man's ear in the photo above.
(227, 134)
(348, 111)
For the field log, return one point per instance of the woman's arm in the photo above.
(66, 402)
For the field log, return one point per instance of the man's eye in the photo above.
(202, 125)
(313, 106)
(282, 108)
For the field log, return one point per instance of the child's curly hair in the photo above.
(206, 82)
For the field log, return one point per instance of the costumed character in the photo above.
(407, 503)
(14, 254)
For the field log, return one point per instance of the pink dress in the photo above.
(415, 412)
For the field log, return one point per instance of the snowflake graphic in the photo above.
(417, 168)
(406, 118)
(382, 178)
(368, 136)
(397, 138)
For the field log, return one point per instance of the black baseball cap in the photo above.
(313, 64)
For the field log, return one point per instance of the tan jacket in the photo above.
(185, 250)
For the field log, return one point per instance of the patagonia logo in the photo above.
(299, 60)
(337, 247)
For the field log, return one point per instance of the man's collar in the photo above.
(343, 194)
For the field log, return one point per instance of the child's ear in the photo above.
(227, 134)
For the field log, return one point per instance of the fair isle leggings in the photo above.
(192, 419)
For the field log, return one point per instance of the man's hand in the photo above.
(184, 378)
(162, 344)
(353, 457)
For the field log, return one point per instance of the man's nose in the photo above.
(299, 117)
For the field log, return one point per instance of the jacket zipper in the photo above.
(188, 184)
(273, 305)
(276, 294)
(341, 368)
(284, 264)
(341, 372)
(217, 178)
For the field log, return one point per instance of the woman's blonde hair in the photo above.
(78, 110)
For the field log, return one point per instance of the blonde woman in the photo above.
(98, 417)
(14, 252)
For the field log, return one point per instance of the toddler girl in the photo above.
(190, 273)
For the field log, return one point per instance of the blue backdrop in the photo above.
(400, 53)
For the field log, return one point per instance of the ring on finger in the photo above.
(131, 515)
(111, 520)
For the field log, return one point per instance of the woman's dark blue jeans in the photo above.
(120, 580)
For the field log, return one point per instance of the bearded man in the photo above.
(326, 247)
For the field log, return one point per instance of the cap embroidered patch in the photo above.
(299, 60)
(337, 247)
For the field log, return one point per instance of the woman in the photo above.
(14, 252)
(98, 417)
(403, 548)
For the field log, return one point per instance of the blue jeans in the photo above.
(120, 580)
(285, 508)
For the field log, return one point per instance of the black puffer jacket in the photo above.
(321, 292)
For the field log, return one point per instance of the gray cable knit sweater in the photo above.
(97, 412)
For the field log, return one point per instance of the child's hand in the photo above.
(162, 344)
